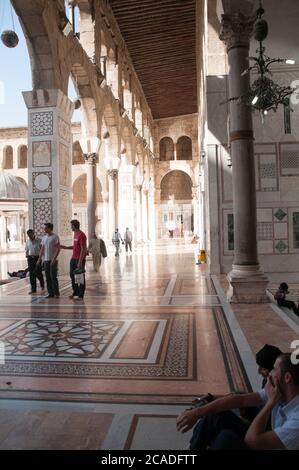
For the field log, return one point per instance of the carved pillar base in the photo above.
(247, 285)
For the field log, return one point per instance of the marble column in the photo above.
(113, 219)
(91, 171)
(144, 203)
(247, 281)
(195, 203)
(105, 223)
(50, 164)
(138, 214)
(151, 213)
(2, 232)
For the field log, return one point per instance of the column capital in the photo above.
(195, 192)
(138, 187)
(236, 29)
(90, 158)
(112, 173)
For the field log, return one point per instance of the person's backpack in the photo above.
(103, 248)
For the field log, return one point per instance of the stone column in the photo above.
(112, 178)
(2, 232)
(157, 212)
(105, 223)
(91, 171)
(247, 281)
(138, 214)
(151, 214)
(50, 164)
(144, 202)
(195, 203)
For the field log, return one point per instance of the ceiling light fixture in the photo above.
(264, 94)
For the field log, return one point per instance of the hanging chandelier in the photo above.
(264, 94)
(9, 37)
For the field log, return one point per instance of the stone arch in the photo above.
(78, 158)
(103, 54)
(176, 185)
(166, 149)
(126, 143)
(87, 27)
(138, 115)
(33, 18)
(80, 190)
(112, 71)
(127, 94)
(22, 156)
(184, 148)
(8, 158)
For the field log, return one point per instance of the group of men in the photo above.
(45, 252)
(127, 240)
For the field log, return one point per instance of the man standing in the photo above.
(32, 250)
(128, 237)
(77, 263)
(49, 252)
(116, 239)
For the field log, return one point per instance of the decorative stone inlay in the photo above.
(41, 123)
(42, 182)
(65, 213)
(64, 165)
(64, 130)
(281, 246)
(290, 159)
(63, 338)
(264, 231)
(41, 153)
(280, 214)
(267, 170)
(42, 213)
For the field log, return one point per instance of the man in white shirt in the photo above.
(49, 252)
(280, 400)
(116, 239)
(128, 237)
(32, 250)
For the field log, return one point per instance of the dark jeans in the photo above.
(51, 272)
(128, 245)
(35, 271)
(289, 304)
(78, 291)
(219, 431)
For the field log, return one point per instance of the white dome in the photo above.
(11, 187)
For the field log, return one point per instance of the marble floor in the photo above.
(112, 372)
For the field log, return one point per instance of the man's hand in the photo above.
(272, 390)
(187, 419)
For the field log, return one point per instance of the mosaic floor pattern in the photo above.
(150, 335)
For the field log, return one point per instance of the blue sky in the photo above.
(15, 74)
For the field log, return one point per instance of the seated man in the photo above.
(21, 273)
(280, 401)
(280, 297)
